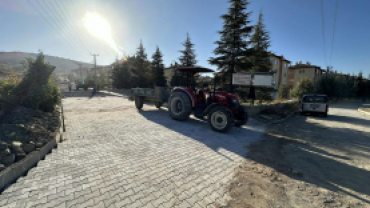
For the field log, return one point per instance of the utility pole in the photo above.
(80, 64)
(94, 55)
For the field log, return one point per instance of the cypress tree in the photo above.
(260, 42)
(142, 68)
(158, 70)
(188, 54)
(233, 48)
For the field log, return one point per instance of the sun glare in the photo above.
(101, 29)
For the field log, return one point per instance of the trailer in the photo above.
(158, 96)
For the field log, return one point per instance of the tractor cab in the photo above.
(188, 80)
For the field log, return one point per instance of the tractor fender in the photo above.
(210, 107)
(176, 89)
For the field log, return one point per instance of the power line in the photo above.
(76, 12)
(323, 28)
(75, 32)
(69, 42)
(335, 21)
(61, 25)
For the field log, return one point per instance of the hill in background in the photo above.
(11, 61)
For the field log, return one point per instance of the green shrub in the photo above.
(304, 86)
(283, 92)
(6, 90)
(37, 89)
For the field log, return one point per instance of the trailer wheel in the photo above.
(179, 106)
(220, 119)
(158, 104)
(139, 101)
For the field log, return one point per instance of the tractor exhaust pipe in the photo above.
(214, 88)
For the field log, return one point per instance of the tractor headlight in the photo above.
(233, 103)
(236, 103)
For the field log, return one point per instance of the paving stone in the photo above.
(123, 202)
(139, 159)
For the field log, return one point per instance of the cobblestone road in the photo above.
(116, 156)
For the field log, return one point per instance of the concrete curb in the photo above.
(20, 168)
(367, 113)
(284, 119)
(281, 120)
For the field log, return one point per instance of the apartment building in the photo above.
(280, 65)
(168, 73)
(300, 71)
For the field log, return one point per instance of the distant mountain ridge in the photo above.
(63, 65)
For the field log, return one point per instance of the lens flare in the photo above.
(101, 29)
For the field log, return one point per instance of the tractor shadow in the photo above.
(198, 129)
(332, 157)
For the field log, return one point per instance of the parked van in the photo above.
(314, 103)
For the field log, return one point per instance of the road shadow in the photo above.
(198, 129)
(320, 154)
(343, 119)
(349, 105)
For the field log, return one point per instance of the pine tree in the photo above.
(158, 70)
(140, 53)
(188, 55)
(142, 68)
(232, 47)
(121, 76)
(260, 42)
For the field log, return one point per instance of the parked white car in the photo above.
(314, 103)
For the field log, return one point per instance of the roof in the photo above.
(299, 66)
(280, 57)
(193, 69)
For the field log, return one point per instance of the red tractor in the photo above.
(223, 110)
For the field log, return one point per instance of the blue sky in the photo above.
(295, 28)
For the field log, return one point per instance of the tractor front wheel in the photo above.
(179, 106)
(139, 101)
(241, 117)
(220, 119)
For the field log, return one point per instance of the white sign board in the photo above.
(262, 80)
(241, 79)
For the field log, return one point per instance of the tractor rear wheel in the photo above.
(158, 104)
(139, 101)
(179, 106)
(220, 119)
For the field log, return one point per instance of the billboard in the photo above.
(241, 79)
(262, 80)
(258, 80)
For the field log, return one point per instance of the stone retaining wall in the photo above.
(11, 173)
(254, 110)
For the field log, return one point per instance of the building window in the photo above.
(284, 74)
(275, 62)
(274, 74)
(273, 82)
